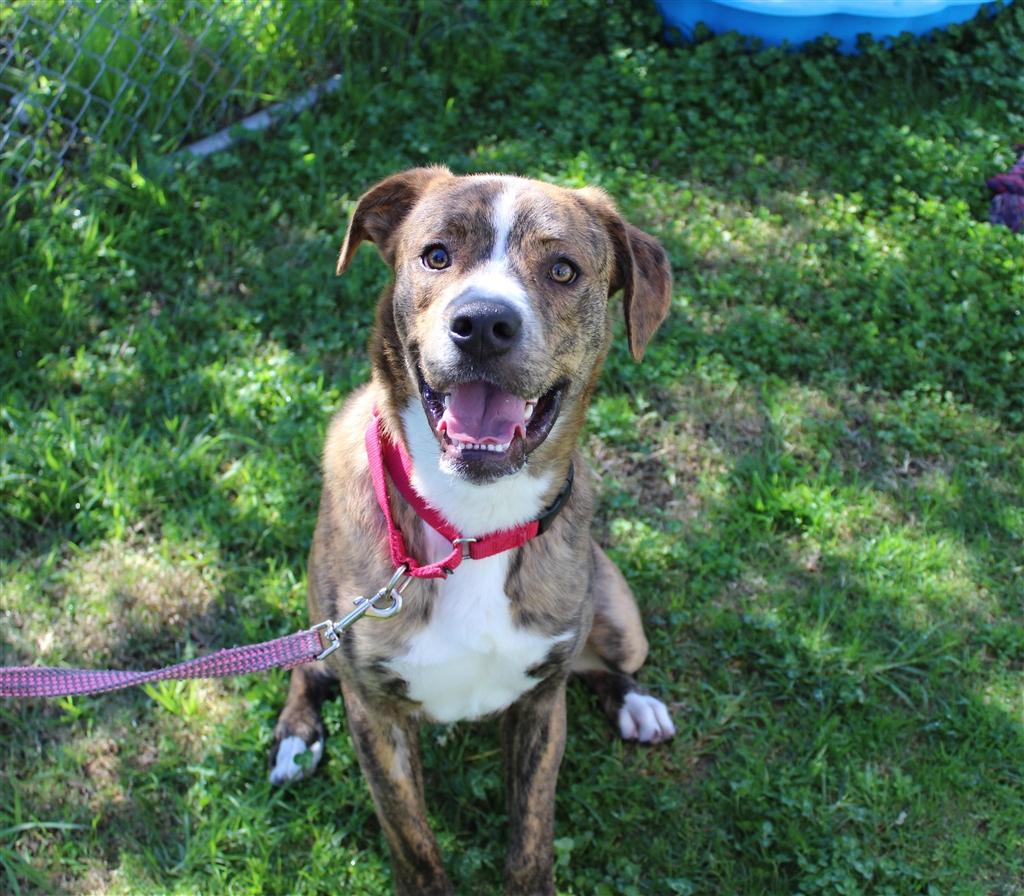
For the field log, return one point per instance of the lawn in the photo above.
(814, 481)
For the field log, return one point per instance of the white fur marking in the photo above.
(493, 279)
(470, 508)
(504, 214)
(646, 719)
(495, 276)
(471, 660)
(286, 768)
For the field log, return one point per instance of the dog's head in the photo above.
(497, 322)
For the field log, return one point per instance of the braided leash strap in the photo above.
(43, 681)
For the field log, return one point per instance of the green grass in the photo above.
(147, 75)
(815, 480)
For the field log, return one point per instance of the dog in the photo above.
(485, 350)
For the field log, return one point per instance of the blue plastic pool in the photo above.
(797, 21)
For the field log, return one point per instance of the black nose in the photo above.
(484, 327)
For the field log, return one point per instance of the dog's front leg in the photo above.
(388, 748)
(533, 741)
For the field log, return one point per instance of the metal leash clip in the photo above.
(366, 607)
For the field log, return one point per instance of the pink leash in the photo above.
(305, 646)
(47, 681)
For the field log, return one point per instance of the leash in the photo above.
(286, 652)
(49, 681)
(306, 646)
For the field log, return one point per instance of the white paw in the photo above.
(286, 768)
(646, 719)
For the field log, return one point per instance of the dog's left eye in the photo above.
(436, 258)
(562, 272)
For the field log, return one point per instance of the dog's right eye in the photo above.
(437, 258)
(562, 272)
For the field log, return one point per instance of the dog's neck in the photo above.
(473, 509)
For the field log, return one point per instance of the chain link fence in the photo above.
(125, 73)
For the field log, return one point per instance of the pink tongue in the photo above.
(484, 414)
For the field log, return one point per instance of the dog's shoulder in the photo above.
(344, 452)
(346, 558)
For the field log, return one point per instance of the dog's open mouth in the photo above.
(486, 431)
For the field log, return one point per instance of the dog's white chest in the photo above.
(471, 660)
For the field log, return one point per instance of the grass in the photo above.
(148, 75)
(815, 480)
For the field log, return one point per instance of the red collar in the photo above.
(385, 453)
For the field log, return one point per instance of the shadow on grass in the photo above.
(845, 633)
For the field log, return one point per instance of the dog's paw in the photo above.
(286, 768)
(645, 718)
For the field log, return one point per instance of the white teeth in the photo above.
(497, 449)
(530, 405)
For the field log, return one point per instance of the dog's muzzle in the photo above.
(486, 432)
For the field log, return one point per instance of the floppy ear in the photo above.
(382, 208)
(641, 271)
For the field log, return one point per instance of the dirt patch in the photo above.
(689, 435)
(115, 606)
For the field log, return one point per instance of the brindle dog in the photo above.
(485, 351)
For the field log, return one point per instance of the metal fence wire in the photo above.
(120, 73)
